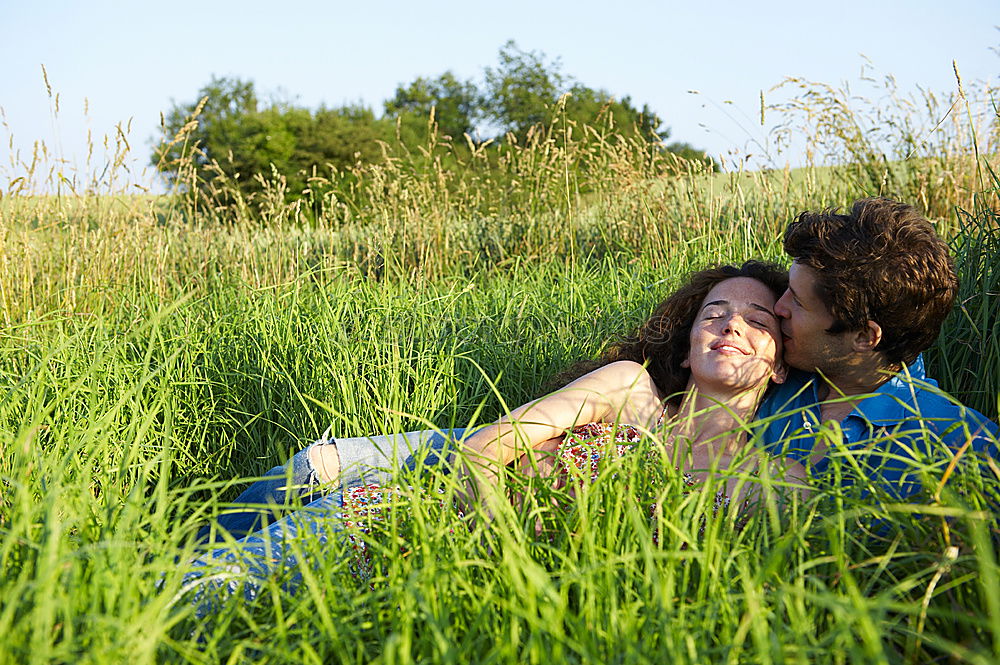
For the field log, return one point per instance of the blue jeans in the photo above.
(275, 550)
(375, 459)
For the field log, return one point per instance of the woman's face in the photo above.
(736, 338)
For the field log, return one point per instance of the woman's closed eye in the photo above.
(753, 314)
(757, 322)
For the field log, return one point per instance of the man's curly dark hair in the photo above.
(882, 262)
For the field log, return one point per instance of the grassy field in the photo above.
(157, 351)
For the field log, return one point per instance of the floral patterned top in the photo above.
(582, 445)
(362, 506)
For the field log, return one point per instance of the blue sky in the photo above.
(130, 61)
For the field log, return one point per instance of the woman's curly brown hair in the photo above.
(663, 341)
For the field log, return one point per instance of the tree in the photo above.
(225, 132)
(455, 105)
(522, 91)
(199, 132)
(589, 106)
(342, 137)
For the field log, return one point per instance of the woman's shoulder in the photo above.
(637, 398)
(628, 372)
(630, 376)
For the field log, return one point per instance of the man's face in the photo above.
(804, 323)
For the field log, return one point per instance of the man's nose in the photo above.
(781, 307)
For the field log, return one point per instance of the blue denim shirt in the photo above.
(899, 427)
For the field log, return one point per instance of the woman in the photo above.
(699, 367)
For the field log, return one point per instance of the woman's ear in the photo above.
(779, 372)
(685, 363)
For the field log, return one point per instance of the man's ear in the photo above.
(868, 338)
(686, 363)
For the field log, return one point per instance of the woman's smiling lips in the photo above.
(728, 348)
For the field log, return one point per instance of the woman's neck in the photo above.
(715, 418)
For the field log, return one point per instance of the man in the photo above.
(868, 293)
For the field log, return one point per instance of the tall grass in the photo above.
(113, 432)
(921, 147)
(966, 353)
(156, 351)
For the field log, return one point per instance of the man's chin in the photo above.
(793, 361)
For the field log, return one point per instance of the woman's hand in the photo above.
(543, 460)
(478, 482)
(744, 475)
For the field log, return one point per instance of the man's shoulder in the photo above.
(928, 404)
(910, 400)
(906, 417)
(908, 386)
(915, 409)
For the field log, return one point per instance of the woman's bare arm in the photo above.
(618, 392)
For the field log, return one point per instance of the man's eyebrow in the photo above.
(797, 298)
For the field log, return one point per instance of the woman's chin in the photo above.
(731, 382)
(732, 371)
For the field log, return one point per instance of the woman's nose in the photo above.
(733, 324)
